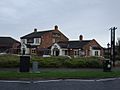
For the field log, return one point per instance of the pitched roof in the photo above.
(7, 41)
(78, 44)
(73, 44)
(35, 34)
(63, 44)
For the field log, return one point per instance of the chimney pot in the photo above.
(35, 29)
(81, 37)
(56, 27)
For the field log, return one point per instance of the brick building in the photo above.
(77, 48)
(53, 42)
(9, 45)
(39, 42)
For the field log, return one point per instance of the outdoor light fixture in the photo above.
(108, 46)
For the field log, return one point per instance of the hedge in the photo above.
(8, 60)
(53, 62)
(86, 62)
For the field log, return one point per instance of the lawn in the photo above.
(59, 75)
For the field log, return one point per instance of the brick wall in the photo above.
(47, 38)
(92, 43)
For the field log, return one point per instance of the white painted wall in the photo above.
(23, 41)
(56, 46)
(27, 50)
(61, 54)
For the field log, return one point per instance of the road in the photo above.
(70, 84)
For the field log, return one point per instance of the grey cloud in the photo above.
(90, 18)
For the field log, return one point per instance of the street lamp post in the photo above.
(108, 46)
(112, 51)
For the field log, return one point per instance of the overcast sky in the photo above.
(91, 18)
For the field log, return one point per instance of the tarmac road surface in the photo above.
(68, 84)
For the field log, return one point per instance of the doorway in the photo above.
(56, 52)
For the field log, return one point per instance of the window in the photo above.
(33, 51)
(96, 53)
(81, 53)
(53, 40)
(23, 41)
(37, 40)
(76, 52)
(30, 40)
(66, 52)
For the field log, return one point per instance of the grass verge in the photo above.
(59, 75)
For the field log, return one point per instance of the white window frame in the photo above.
(94, 54)
(37, 41)
(76, 52)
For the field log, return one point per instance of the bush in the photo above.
(83, 62)
(88, 62)
(50, 61)
(74, 63)
(8, 60)
(53, 62)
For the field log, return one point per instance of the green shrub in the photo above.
(74, 63)
(86, 62)
(50, 61)
(8, 60)
(53, 62)
(93, 64)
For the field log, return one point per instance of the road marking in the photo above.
(82, 80)
(76, 80)
(10, 81)
(42, 81)
(107, 79)
(58, 80)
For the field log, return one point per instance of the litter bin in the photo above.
(35, 66)
(24, 63)
(107, 65)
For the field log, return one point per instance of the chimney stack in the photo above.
(35, 29)
(81, 37)
(56, 27)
